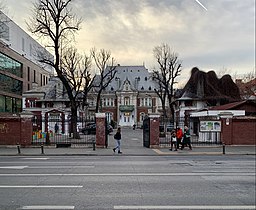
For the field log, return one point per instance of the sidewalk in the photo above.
(131, 145)
(132, 151)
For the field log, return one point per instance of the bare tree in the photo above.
(165, 76)
(76, 69)
(106, 67)
(249, 76)
(54, 21)
(223, 71)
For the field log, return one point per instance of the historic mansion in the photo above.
(126, 100)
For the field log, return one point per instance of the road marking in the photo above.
(47, 207)
(159, 152)
(186, 207)
(59, 167)
(41, 186)
(13, 167)
(145, 174)
(35, 158)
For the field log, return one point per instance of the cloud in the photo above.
(224, 35)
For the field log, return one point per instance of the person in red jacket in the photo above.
(179, 135)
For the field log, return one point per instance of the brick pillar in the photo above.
(26, 128)
(154, 130)
(100, 129)
(227, 131)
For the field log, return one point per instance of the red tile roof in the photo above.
(228, 106)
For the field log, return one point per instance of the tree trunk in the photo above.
(74, 121)
(98, 104)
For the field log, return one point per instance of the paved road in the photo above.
(127, 182)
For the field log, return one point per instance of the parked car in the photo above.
(91, 129)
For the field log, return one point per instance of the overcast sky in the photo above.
(222, 36)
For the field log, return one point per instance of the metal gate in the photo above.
(146, 132)
(197, 138)
(106, 133)
(58, 132)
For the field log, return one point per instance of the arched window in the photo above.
(142, 115)
(109, 116)
(127, 101)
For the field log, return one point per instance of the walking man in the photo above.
(118, 137)
(186, 138)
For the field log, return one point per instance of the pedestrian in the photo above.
(118, 137)
(56, 127)
(186, 138)
(179, 135)
(173, 140)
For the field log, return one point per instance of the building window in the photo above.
(150, 102)
(34, 80)
(146, 101)
(142, 102)
(109, 116)
(10, 85)
(142, 115)
(2, 103)
(127, 101)
(4, 31)
(10, 65)
(9, 104)
(41, 78)
(28, 73)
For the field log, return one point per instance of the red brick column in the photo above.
(100, 130)
(26, 128)
(227, 131)
(154, 130)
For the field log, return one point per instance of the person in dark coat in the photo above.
(186, 138)
(118, 137)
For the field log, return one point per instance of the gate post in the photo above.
(100, 130)
(154, 130)
(26, 128)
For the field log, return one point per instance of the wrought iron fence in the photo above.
(197, 137)
(58, 132)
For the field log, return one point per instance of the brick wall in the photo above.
(244, 131)
(239, 131)
(15, 130)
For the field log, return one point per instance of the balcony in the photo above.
(126, 108)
